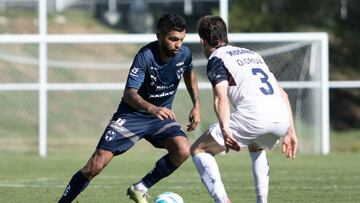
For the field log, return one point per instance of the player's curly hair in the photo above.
(170, 22)
(213, 30)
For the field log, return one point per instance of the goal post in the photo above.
(70, 79)
(314, 78)
(300, 62)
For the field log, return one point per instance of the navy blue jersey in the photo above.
(155, 81)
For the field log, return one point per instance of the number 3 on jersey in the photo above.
(264, 79)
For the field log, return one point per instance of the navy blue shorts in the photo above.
(125, 130)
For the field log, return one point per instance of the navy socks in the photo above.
(78, 182)
(162, 169)
(76, 185)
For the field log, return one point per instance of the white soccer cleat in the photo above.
(137, 195)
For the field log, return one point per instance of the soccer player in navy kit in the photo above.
(145, 111)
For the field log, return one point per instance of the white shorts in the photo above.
(264, 134)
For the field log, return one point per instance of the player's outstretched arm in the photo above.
(289, 145)
(132, 98)
(222, 110)
(290, 142)
(192, 87)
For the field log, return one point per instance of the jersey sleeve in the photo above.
(216, 71)
(137, 71)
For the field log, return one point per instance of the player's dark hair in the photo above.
(213, 30)
(170, 22)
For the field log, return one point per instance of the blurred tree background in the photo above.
(339, 18)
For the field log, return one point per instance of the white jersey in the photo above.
(253, 90)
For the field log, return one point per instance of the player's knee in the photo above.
(93, 169)
(254, 148)
(194, 150)
(184, 152)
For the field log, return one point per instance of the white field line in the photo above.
(107, 186)
(60, 183)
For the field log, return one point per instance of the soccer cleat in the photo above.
(137, 195)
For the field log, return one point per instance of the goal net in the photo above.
(298, 64)
(85, 77)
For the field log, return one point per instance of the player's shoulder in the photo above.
(184, 54)
(148, 48)
(147, 52)
(185, 50)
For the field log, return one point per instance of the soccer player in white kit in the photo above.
(262, 113)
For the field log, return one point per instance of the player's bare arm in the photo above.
(222, 109)
(132, 98)
(192, 87)
(289, 145)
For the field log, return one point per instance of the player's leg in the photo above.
(97, 162)
(178, 148)
(178, 151)
(203, 151)
(165, 134)
(260, 164)
(80, 180)
(116, 139)
(261, 172)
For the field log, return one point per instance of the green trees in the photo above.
(339, 18)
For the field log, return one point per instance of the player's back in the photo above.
(253, 90)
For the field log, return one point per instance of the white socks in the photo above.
(210, 176)
(261, 174)
(141, 187)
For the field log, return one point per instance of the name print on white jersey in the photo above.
(246, 61)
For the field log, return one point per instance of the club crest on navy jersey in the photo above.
(180, 72)
(110, 135)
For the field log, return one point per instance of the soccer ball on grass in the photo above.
(169, 197)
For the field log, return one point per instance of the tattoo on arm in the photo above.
(132, 98)
(192, 87)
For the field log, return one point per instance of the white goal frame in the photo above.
(43, 39)
(43, 86)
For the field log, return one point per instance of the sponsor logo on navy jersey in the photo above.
(213, 76)
(163, 94)
(134, 71)
(164, 87)
(180, 64)
(153, 78)
(120, 121)
(67, 189)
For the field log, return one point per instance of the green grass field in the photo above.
(74, 128)
(76, 120)
(309, 178)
